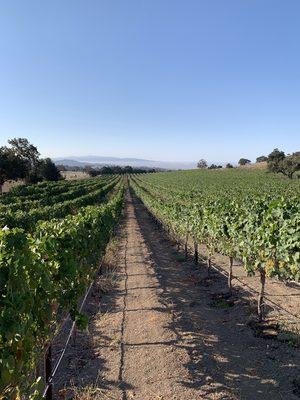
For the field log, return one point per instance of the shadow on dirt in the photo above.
(225, 358)
(82, 368)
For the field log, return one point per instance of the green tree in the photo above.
(21, 160)
(202, 164)
(275, 161)
(287, 165)
(28, 153)
(214, 166)
(11, 166)
(48, 170)
(127, 169)
(261, 159)
(278, 162)
(290, 165)
(244, 161)
(276, 156)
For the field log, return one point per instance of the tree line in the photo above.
(116, 169)
(21, 160)
(277, 161)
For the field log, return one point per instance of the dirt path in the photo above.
(156, 335)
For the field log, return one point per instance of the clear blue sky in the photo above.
(158, 79)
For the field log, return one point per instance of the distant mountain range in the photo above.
(98, 161)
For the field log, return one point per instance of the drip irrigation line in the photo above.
(225, 274)
(221, 271)
(50, 380)
(256, 292)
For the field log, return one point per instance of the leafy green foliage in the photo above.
(244, 161)
(202, 164)
(42, 275)
(28, 218)
(261, 159)
(11, 166)
(21, 161)
(249, 215)
(287, 165)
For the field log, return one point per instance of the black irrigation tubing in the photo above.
(49, 382)
(225, 273)
(221, 271)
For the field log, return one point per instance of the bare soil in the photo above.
(282, 299)
(164, 331)
(73, 175)
(8, 185)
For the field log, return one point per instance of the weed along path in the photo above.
(155, 334)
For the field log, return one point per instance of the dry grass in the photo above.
(261, 165)
(10, 184)
(109, 274)
(68, 175)
(72, 175)
(90, 392)
(105, 283)
(110, 259)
